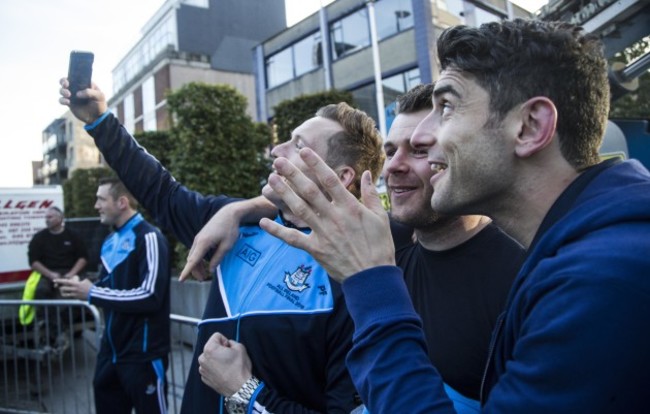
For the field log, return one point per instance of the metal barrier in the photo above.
(48, 366)
(48, 363)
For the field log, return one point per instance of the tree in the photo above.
(160, 144)
(291, 113)
(217, 148)
(635, 104)
(80, 189)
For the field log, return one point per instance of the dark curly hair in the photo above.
(520, 59)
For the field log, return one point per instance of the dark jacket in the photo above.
(133, 290)
(574, 335)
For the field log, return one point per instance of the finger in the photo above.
(64, 83)
(297, 203)
(327, 177)
(218, 256)
(217, 338)
(369, 195)
(292, 237)
(236, 345)
(188, 269)
(302, 186)
(200, 273)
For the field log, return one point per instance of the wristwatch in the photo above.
(238, 402)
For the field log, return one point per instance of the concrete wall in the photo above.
(188, 299)
(243, 82)
(395, 52)
(308, 83)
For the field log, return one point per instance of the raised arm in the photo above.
(173, 205)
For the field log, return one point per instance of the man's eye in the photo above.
(445, 107)
(419, 153)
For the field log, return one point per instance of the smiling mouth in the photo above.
(400, 190)
(438, 167)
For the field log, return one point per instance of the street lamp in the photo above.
(401, 14)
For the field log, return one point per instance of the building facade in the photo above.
(333, 49)
(66, 147)
(186, 41)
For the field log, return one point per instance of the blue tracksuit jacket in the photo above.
(273, 298)
(133, 290)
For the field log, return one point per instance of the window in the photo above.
(149, 104)
(350, 34)
(307, 54)
(476, 16)
(393, 16)
(163, 35)
(296, 60)
(454, 7)
(129, 111)
(393, 87)
(279, 68)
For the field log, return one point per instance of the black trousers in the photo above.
(121, 387)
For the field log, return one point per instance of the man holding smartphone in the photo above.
(273, 299)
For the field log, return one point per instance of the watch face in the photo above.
(235, 407)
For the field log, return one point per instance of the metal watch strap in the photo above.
(238, 402)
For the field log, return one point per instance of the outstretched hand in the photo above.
(91, 108)
(347, 236)
(220, 233)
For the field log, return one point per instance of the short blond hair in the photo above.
(359, 145)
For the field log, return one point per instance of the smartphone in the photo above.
(80, 72)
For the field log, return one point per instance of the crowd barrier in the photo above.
(48, 365)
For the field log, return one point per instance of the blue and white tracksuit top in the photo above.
(133, 290)
(271, 297)
(574, 337)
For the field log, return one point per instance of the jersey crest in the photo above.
(297, 281)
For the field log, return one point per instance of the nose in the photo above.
(395, 164)
(279, 149)
(423, 135)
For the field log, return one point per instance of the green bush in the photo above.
(79, 191)
(218, 149)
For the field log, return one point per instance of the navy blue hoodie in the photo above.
(574, 336)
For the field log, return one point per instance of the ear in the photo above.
(346, 174)
(122, 203)
(538, 122)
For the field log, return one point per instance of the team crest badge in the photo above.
(297, 281)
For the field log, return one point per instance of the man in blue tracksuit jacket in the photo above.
(133, 291)
(271, 297)
(519, 113)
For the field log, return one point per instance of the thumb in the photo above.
(369, 196)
